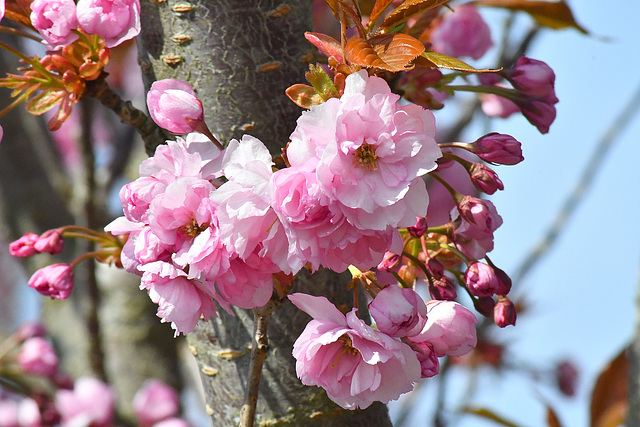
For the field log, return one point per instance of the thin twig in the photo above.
(150, 132)
(584, 182)
(261, 315)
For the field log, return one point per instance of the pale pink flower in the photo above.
(450, 329)
(50, 242)
(354, 363)
(172, 422)
(462, 33)
(369, 153)
(25, 246)
(246, 283)
(37, 356)
(9, 413)
(90, 403)
(497, 106)
(1, 16)
(114, 20)
(155, 401)
(180, 300)
(55, 20)
(136, 197)
(55, 281)
(173, 105)
(398, 312)
(28, 414)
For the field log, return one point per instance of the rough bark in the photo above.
(240, 56)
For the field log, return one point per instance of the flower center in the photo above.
(192, 229)
(365, 156)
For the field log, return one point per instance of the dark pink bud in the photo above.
(485, 179)
(567, 377)
(443, 289)
(24, 246)
(55, 281)
(482, 281)
(429, 364)
(30, 330)
(477, 212)
(420, 228)
(484, 305)
(498, 148)
(504, 312)
(50, 242)
(173, 105)
(531, 77)
(541, 112)
(36, 356)
(390, 262)
(435, 268)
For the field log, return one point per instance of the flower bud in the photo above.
(567, 377)
(50, 242)
(485, 179)
(390, 262)
(532, 77)
(30, 330)
(462, 33)
(479, 213)
(429, 364)
(450, 329)
(435, 268)
(36, 356)
(482, 281)
(443, 289)
(90, 403)
(55, 281)
(24, 246)
(541, 112)
(154, 402)
(484, 305)
(420, 228)
(398, 312)
(173, 105)
(498, 148)
(504, 312)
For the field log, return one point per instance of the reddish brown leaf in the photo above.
(348, 9)
(609, 397)
(390, 52)
(556, 14)
(490, 415)
(378, 9)
(552, 418)
(304, 96)
(329, 46)
(408, 9)
(443, 61)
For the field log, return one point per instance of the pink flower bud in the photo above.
(429, 364)
(498, 148)
(390, 262)
(485, 179)
(450, 329)
(504, 312)
(484, 305)
(30, 330)
(567, 377)
(541, 112)
(489, 79)
(398, 312)
(532, 77)
(473, 231)
(443, 289)
(55, 20)
(114, 20)
(50, 242)
(55, 281)
(172, 422)
(90, 403)
(420, 228)
(479, 213)
(36, 356)
(154, 402)
(497, 106)
(435, 268)
(173, 105)
(462, 33)
(24, 246)
(482, 281)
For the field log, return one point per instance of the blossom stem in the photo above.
(494, 90)
(89, 255)
(456, 196)
(17, 32)
(259, 351)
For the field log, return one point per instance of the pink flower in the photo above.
(90, 403)
(398, 312)
(25, 246)
(450, 329)
(9, 413)
(246, 283)
(154, 402)
(497, 106)
(498, 148)
(172, 422)
(532, 77)
(1, 16)
(462, 33)
(180, 301)
(354, 363)
(30, 330)
(50, 242)
(114, 20)
(173, 105)
(369, 153)
(473, 229)
(36, 356)
(482, 281)
(29, 414)
(55, 20)
(55, 281)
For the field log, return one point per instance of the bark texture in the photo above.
(240, 56)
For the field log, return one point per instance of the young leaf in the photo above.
(556, 14)
(378, 9)
(443, 61)
(43, 102)
(408, 9)
(609, 398)
(390, 52)
(348, 9)
(329, 46)
(322, 83)
(490, 415)
(304, 96)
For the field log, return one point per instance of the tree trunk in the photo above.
(240, 56)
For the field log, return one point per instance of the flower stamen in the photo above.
(365, 156)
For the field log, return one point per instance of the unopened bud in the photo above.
(443, 289)
(435, 268)
(484, 305)
(504, 312)
(482, 281)
(50, 242)
(390, 262)
(485, 179)
(420, 228)
(498, 148)
(24, 246)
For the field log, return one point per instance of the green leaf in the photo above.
(44, 102)
(443, 61)
(556, 14)
(322, 83)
